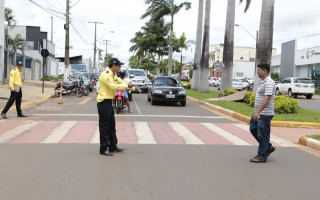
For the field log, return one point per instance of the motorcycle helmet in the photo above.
(122, 74)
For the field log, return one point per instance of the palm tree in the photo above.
(161, 8)
(203, 82)
(183, 44)
(227, 67)
(11, 22)
(16, 43)
(197, 55)
(264, 51)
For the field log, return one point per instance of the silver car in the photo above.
(139, 79)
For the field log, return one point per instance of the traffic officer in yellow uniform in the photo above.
(109, 82)
(15, 84)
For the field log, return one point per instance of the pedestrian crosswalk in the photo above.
(129, 133)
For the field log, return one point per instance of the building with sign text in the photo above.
(303, 63)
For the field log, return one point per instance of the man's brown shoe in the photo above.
(270, 150)
(258, 159)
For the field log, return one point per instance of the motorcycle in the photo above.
(119, 100)
(67, 88)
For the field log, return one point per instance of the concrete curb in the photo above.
(315, 144)
(28, 103)
(247, 119)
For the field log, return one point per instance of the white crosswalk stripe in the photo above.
(183, 132)
(96, 136)
(60, 132)
(228, 136)
(9, 135)
(144, 133)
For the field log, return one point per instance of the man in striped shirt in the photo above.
(263, 113)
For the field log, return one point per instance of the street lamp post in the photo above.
(256, 39)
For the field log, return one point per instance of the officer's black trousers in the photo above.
(14, 96)
(107, 125)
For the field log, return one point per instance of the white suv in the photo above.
(214, 81)
(139, 78)
(294, 86)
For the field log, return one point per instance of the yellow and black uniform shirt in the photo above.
(108, 84)
(15, 78)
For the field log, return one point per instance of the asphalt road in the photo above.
(70, 170)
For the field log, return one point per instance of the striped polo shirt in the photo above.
(267, 87)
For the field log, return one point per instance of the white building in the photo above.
(1, 39)
(303, 63)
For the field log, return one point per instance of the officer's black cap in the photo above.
(19, 63)
(115, 61)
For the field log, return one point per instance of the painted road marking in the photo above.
(144, 133)
(60, 132)
(96, 136)
(183, 132)
(9, 135)
(129, 115)
(228, 136)
(85, 100)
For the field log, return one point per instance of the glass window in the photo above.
(137, 73)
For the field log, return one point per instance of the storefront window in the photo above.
(316, 75)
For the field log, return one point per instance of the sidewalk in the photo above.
(31, 92)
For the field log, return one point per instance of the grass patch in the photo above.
(303, 115)
(202, 95)
(316, 137)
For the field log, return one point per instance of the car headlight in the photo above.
(157, 91)
(182, 92)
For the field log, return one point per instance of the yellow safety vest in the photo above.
(108, 84)
(15, 78)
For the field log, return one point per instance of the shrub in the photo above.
(246, 98)
(228, 92)
(285, 105)
(187, 83)
(252, 99)
(49, 78)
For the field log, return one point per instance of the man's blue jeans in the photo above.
(261, 132)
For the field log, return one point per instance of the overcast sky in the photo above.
(293, 20)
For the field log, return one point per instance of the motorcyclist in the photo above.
(122, 75)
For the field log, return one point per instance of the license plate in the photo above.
(170, 96)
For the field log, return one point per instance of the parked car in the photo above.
(214, 81)
(87, 80)
(294, 86)
(239, 84)
(166, 89)
(138, 77)
(249, 80)
(185, 78)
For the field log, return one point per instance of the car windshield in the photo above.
(235, 80)
(74, 76)
(166, 82)
(137, 73)
(300, 80)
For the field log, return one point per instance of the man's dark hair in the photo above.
(264, 66)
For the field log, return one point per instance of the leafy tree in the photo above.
(160, 8)
(134, 62)
(107, 57)
(16, 43)
(183, 44)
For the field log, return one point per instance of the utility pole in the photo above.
(95, 45)
(66, 52)
(106, 45)
(52, 30)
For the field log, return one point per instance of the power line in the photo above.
(45, 9)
